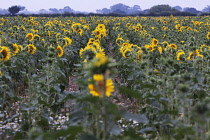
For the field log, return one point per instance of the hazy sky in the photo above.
(93, 5)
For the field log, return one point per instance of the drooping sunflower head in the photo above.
(31, 49)
(208, 35)
(80, 32)
(174, 46)
(119, 41)
(154, 42)
(68, 41)
(88, 52)
(179, 53)
(194, 55)
(60, 51)
(30, 36)
(16, 48)
(149, 48)
(5, 53)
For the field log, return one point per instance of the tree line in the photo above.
(119, 10)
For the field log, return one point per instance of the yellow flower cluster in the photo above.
(93, 49)
(100, 31)
(101, 87)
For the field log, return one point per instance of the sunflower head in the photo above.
(101, 86)
(174, 46)
(194, 55)
(154, 42)
(208, 35)
(178, 55)
(60, 51)
(31, 49)
(30, 36)
(68, 41)
(16, 48)
(5, 53)
(101, 65)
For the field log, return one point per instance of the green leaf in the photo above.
(87, 137)
(150, 86)
(33, 102)
(130, 92)
(18, 135)
(146, 130)
(71, 130)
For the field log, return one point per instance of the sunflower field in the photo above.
(105, 78)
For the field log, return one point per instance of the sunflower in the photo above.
(174, 46)
(201, 47)
(84, 51)
(128, 25)
(125, 46)
(156, 72)
(101, 87)
(150, 48)
(101, 61)
(5, 52)
(179, 53)
(60, 51)
(208, 35)
(139, 54)
(126, 52)
(68, 41)
(101, 27)
(154, 42)
(119, 41)
(30, 36)
(0, 73)
(16, 48)
(31, 49)
(194, 54)
(20, 47)
(160, 49)
(164, 28)
(80, 32)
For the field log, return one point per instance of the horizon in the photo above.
(88, 6)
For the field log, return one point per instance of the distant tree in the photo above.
(145, 11)
(134, 10)
(191, 10)
(15, 9)
(54, 10)
(206, 9)
(162, 8)
(178, 8)
(118, 11)
(67, 9)
(120, 7)
(106, 11)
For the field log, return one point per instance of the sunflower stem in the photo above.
(104, 111)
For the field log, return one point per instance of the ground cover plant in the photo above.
(105, 78)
